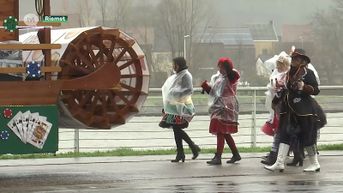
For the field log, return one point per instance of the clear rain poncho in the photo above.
(272, 90)
(176, 92)
(223, 103)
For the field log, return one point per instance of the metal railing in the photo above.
(142, 132)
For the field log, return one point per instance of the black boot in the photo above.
(265, 156)
(271, 159)
(298, 157)
(179, 156)
(298, 151)
(234, 158)
(296, 161)
(179, 147)
(195, 150)
(216, 160)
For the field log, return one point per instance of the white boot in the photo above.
(281, 157)
(313, 157)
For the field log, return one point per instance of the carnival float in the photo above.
(80, 78)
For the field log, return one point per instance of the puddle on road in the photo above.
(303, 186)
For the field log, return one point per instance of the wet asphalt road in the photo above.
(156, 174)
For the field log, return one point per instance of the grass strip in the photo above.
(132, 152)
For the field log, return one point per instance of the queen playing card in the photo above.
(39, 132)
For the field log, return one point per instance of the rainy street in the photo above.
(157, 174)
(122, 77)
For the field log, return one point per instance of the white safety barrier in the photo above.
(143, 132)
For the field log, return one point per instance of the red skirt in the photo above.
(224, 127)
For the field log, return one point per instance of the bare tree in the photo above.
(114, 13)
(143, 16)
(121, 12)
(85, 13)
(179, 18)
(328, 28)
(103, 6)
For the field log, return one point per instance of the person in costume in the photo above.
(277, 82)
(300, 114)
(224, 108)
(178, 109)
(296, 146)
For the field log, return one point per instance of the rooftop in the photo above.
(227, 36)
(263, 31)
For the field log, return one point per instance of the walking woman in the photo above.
(271, 126)
(178, 108)
(300, 114)
(223, 108)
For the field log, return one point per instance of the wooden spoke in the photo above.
(73, 70)
(129, 76)
(117, 59)
(127, 64)
(92, 55)
(123, 98)
(134, 90)
(102, 98)
(113, 44)
(111, 101)
(85, 60)
(94, 102)
(87, 95)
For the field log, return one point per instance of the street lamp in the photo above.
(185, 45)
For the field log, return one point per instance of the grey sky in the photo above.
(228, 13)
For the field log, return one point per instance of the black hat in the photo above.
(300, 53)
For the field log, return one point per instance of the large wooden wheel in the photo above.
(110, 107)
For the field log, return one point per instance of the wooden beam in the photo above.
(29, 92)
(7, 70)
(29, 46)
(40, 23)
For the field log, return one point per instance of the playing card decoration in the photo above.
(30, 128)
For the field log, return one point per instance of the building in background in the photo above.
(265, 38)
(236, 43)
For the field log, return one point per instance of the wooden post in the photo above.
(47, 38)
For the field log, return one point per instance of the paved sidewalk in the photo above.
(157, 174)
(118, 159)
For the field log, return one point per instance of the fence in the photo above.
(142, 132)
